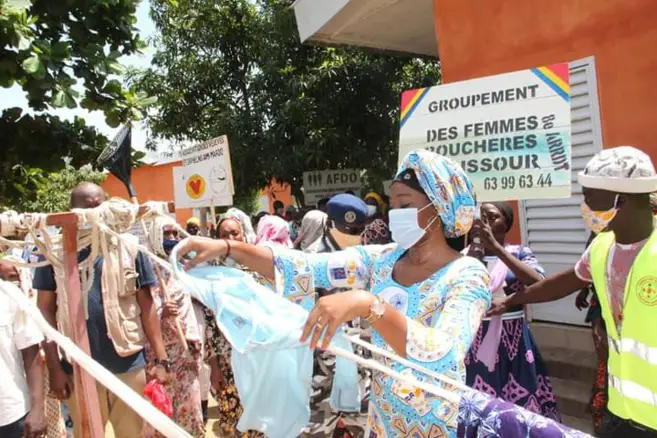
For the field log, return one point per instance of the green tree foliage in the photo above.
(54, 189)
(36, 143)
(63, 54)
(237, 67)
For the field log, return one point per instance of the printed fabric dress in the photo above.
(183, 387)
(443, 314)
(520, 376)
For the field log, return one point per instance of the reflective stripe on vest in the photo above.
(633, 390)
(632, 346)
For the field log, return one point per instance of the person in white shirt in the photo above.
(22, 408)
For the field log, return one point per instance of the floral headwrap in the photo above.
(245, 224)
(448, 188)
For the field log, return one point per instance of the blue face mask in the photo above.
(168, 245)
(272, 369)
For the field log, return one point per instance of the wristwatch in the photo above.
(163, 362)
(377, 309)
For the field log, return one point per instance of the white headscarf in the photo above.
(245, 223)
(156, 234)
(312, 228)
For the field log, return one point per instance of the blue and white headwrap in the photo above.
(448, 188)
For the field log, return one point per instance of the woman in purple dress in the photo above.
(504, 360)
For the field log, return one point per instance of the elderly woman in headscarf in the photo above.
(423, 299)
(274, 231)
(312, 230)
(176, 312)
(504, 361)
(236, 225)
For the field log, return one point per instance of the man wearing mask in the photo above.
(347, 217)
(116, 339)
(620, 263)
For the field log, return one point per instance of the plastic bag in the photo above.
(157, 394)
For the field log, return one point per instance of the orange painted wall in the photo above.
(278, 192)
(155, 183)
(485, 37)
(152, 183)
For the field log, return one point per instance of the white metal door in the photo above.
(553, 229)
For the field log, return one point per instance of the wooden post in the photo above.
(85, 385)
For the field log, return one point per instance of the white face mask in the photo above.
(371, 210)
(405, 228)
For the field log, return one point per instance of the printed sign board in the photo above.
(206, 177)
(510, 133)
(326, 183)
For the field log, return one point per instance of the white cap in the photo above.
(623, 169)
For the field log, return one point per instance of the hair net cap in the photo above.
(448, 188)
(623, 169)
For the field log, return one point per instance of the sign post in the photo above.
(510, 132)
(206, 177)
(321, 184)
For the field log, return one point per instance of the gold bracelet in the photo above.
(377, 310)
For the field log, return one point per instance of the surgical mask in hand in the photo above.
(598, 221)
(405, 228)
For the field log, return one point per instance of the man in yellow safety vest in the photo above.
(620, 262)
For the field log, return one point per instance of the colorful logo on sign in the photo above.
(646, 290)
(195, 187)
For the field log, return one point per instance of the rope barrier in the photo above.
(139, 404)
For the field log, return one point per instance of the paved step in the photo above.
(548, 335)
(572, 397)
(582, 424)
(576, 365)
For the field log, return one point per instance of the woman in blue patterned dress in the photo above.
(424, 300)
(504, 361)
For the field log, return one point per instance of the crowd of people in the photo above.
(427, 274)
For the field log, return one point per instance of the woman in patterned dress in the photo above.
(235, 226)
(424, 300)
(504, 360)
(183, 387)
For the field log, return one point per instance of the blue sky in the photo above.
(15, 96)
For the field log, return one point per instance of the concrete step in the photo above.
(548, 335)
(572, 397)
(576, 365)
(582, 424)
